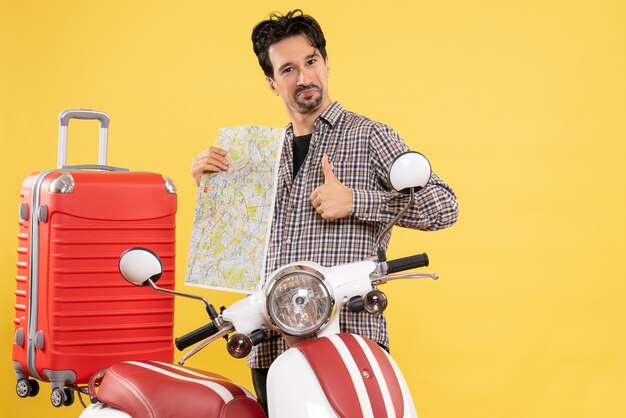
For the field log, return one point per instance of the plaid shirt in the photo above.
(361, 152)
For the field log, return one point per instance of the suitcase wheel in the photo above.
(61, 396)
(25, 387)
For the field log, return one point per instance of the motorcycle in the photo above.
(324, 373)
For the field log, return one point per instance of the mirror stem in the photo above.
(382, 256)
(209, 307)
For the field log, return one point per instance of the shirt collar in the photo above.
(330, 115)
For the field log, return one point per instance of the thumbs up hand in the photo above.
(332, 200)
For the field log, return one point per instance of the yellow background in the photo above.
(520, 105)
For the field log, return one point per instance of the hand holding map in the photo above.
(210, 160)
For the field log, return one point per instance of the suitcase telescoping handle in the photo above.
(64, 120)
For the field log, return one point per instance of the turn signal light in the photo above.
(239, 345)
(375, 302)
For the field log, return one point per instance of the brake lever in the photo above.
(389, 277)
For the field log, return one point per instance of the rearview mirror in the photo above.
(138, 265)
(409, 173)
(410, 170)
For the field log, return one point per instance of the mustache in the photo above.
(309, 87)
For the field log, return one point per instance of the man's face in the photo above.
(300, 74)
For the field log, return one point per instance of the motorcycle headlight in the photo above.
(298, 301)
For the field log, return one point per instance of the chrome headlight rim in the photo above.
(288, 272)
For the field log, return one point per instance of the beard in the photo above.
(308, 104)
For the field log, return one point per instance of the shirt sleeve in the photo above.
(435, 205)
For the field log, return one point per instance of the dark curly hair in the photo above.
(279, 27)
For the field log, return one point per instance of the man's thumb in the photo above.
(328, 170)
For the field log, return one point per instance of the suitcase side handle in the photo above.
(64, 120)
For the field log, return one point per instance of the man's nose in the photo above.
(303, 78)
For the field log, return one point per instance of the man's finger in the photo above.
(221, 165)
(218, 151)
(316, 202)
(328, 170)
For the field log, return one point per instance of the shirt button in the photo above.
(288, 240)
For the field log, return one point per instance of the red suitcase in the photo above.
(74, 313)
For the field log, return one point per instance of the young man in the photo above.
(333, 195)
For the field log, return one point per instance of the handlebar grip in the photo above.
(196, 335)
(407, 263)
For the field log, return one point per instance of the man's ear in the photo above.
(271, 84)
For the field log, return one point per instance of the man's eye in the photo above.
(287, 70)
(311, 61)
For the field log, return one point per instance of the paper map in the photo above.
(234, 210)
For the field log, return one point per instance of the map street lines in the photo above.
(234, 210)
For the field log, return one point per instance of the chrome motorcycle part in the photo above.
(299, 301)
(239, 345)
(375, 302)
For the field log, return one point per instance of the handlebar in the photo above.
(393, 266)
(195, 336)
(407, 263)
